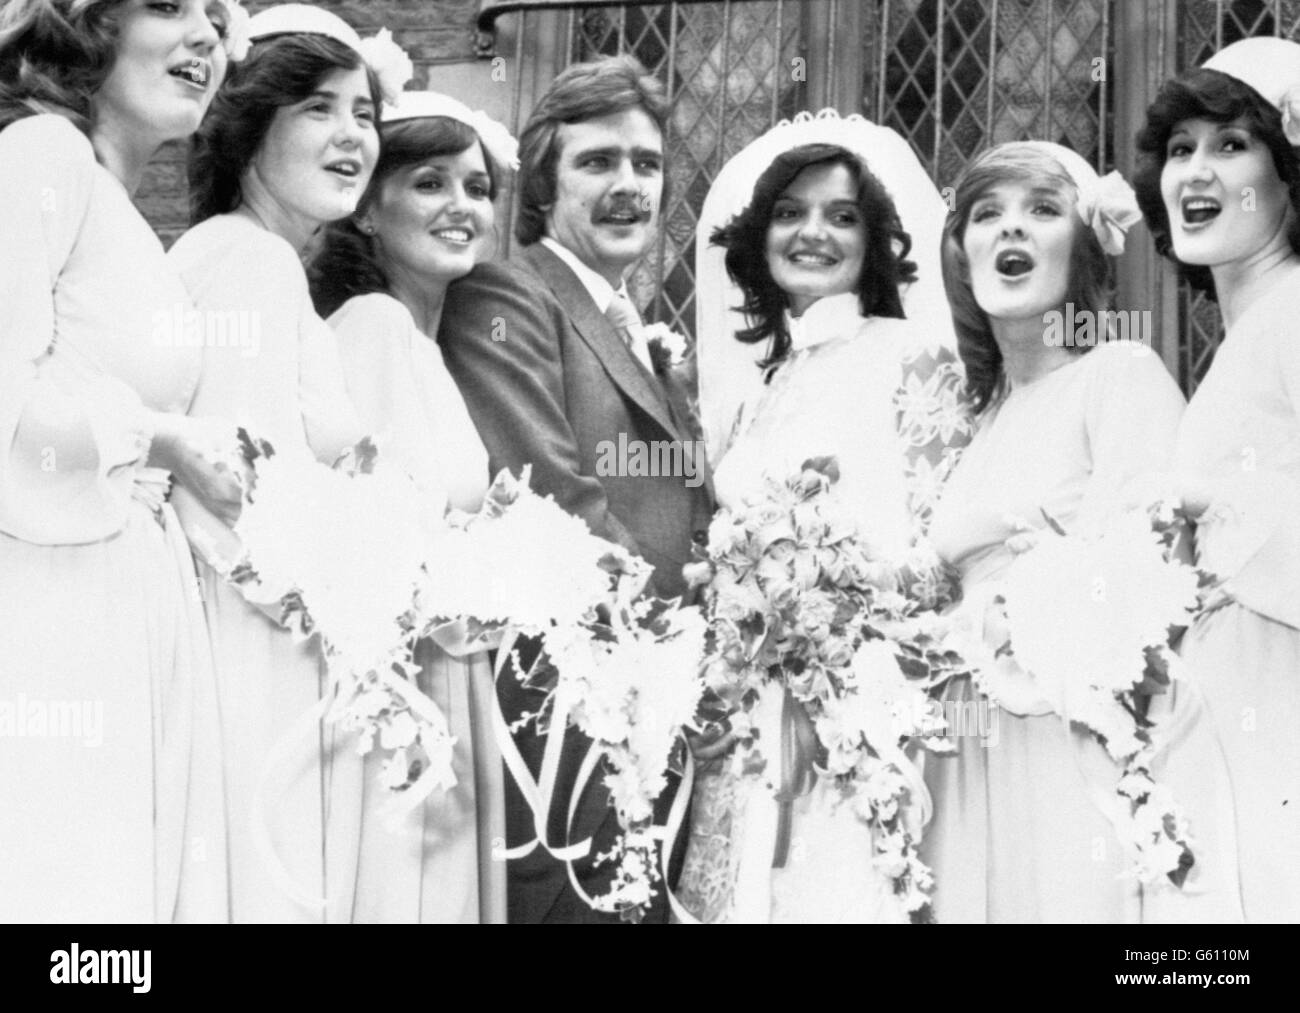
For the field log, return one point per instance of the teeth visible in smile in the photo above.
(347, 169)
(195, 71)
(813, 258)
(1199, 209)
(455, 235)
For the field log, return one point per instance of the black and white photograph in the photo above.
(608, 462)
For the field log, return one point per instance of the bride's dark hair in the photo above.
(884, 265)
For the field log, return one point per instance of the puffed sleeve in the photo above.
(1131, 417)
(1250, 533)
(68, 433)
(934, 425)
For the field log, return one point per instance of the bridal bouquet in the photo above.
(342, 553)
(798, 597)
(1090, 617)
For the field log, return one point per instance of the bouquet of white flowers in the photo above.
(797, 596)
(1089, 620)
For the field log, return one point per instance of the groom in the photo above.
(551, 357)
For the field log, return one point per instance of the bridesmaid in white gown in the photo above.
(821, 259)
(109, 754)
(382, 274)
(1216, 134)
(1022, 827)
(289, 145)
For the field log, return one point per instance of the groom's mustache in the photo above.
(625, 211)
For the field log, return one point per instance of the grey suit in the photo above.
(549, 382)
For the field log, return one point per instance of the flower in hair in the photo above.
(1109, 207)
(238, 36)
(389, 62)
(1290, 106)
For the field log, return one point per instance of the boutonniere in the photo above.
(667, 347)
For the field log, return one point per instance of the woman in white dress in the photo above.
(109, 755)
(289, 145)
(821, 258)
(1219, 183)
(426, 219)
(1022, 828)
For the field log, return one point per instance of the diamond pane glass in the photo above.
(727, 69)
(1203, 27)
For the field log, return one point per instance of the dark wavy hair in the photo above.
(1208, 95)
(277, 72)
(584, 91)
(54, 56)
(884, 265)
(1091, 282)
(347, 264)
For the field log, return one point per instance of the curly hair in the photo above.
(1091, 280)
(884, 265)
(1208, 95)
(584, 91)
(277, 72)
(54, 56)
(347, 264)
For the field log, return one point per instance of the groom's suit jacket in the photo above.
(550, 382)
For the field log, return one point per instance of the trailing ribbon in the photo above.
(798, 773)
(537, 793)
(303, 732)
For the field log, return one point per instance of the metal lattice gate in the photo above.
(953, 76)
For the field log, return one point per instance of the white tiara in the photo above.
(385, 57)
(497, 141)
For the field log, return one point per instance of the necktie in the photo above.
(627, 321)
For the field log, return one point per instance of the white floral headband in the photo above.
(497, 141)
(382, 55)
(1107, 204)
(1272, 68)
(237, 38)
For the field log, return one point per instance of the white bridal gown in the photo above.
(870, 393)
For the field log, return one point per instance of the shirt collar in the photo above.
(831, 317)
(600, 290)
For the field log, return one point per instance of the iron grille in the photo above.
(957, 75)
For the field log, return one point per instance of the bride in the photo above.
(835, 350)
